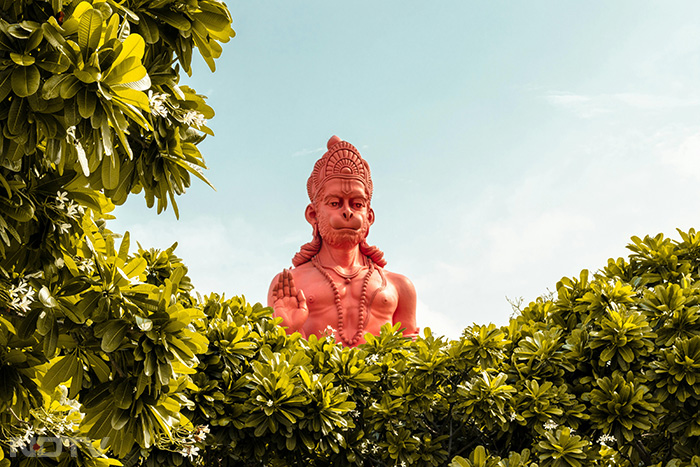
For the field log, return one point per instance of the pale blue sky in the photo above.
(511, 143)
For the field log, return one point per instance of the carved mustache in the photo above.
(354, 223)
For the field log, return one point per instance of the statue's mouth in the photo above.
(347, 225)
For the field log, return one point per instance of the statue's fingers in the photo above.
(301, 298)
(292, 286)
(277, 289)
(287, 292)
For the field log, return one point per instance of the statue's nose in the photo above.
(347, 213)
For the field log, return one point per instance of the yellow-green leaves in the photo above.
(90, 31)
(26, 80)
(61, 369)
(112, 334)
(127, 69)
(563, 449)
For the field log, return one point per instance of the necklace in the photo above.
(362, 312)
(348, 277)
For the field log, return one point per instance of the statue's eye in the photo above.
(334, 204)
(358, 205)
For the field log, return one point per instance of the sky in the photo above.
(511, 143)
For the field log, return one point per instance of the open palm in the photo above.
(289, 304)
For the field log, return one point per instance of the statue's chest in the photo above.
(374, 292)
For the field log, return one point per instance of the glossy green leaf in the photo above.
(148, 29)
(54, 62)
(172, 18)
(26, 80)
(90, 31)
(110, 172)
(114, 335)
(62, 369)
(5, 83)
(22, 59)
(17, 116)
(86, 102)
(70, 87)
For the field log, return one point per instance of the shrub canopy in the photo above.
(108, 357)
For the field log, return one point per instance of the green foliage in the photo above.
(164, 377)
(96, 343)
(90, 102)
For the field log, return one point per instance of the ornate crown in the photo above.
(342, 160)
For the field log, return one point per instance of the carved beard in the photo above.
(343, 238)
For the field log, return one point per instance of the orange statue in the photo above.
(338, 283)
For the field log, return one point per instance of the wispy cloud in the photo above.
(580, 105)
(308, 152)
(654, 101)
(590, 106)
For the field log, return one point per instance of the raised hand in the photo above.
(288, 303)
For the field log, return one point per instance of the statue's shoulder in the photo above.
(402, 283)
(303, 271)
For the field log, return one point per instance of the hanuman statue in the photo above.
(338, 283)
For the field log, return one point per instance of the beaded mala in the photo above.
(362, 312)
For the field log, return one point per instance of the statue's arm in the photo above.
(406, 309)
(287, 302)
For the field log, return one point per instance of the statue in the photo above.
(338, 283)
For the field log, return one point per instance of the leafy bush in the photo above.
(164, 377)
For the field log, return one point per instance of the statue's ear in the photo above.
(370, 216)
(310, 214)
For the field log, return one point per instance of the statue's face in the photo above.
(342, 211)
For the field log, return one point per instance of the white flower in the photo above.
(364, 446)
(270, 403)
(19, 290)
(59, 263)
(513, 416)
(201, 433)
(18, 443)
(374, 358)
(606, 440)
(63, 227)
(86, 266)
(61, 197)
(550, 425)
(72, 209)
(22, 296)
(21, 305)
(195, 119)
(156, 102)
(189, 451)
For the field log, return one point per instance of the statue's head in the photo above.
(340, 190)
(343, 161)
